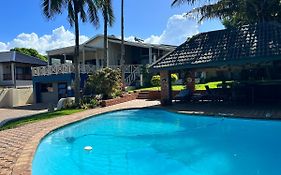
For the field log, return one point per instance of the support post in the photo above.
(166, 88)
(150, 55)
(83, 61)
(49, 60)
(13, 72)
(190, 83)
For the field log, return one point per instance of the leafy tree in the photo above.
(86, 10)
(30, 52)
(235, 13)
(106, 81)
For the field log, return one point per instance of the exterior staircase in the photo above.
(143, 95)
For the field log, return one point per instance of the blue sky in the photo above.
(153, 20)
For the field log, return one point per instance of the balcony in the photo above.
(132, 72)
(69, 68)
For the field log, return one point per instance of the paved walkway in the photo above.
(17, 146)
(22, 111)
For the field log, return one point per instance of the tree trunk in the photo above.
(122, 61)
(105, 51)
(76, 58)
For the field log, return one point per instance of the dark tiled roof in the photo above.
(245, 44)
(12, 56)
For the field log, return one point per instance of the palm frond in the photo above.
(110, 13)
(93, 12)
(52, 7)
(71, 15)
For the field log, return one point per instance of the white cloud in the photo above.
(59, 37)
(178, 29)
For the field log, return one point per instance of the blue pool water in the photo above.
(157, 142)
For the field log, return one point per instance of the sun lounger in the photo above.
(183, 95)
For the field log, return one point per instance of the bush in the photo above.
(89, 102)
(174, 78)
(106, 81)
(155, 80)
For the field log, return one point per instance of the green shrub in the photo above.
(89, 102)
(174, 78)
(155, 80)
(106, 81)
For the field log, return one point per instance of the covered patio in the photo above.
(247, 60)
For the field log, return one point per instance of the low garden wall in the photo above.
(124, 98)
(156, 95)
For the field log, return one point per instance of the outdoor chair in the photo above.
(183, 95)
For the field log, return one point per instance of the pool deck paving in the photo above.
(7, 114)
(18, 145)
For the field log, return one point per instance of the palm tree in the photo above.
(122, 60)
(86, 10)
(107, 13)
(236, 12)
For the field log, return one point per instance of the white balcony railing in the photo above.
(132, 72)
(61, 69)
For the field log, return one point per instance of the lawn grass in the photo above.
(174, 87)
(198, 87)
(38, 117)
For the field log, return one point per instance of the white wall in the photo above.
(16, 97)
(98, 42)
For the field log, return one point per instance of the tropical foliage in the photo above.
(235, 13)
(106, 81)
(77, 10)
(30, 52)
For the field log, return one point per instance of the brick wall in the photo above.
(156, 95)
(124, 98)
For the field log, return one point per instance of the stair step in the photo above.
(142, 98)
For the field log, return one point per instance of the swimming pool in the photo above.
(158, 142)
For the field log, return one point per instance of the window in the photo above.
(23, 73)
(47, 87)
